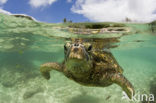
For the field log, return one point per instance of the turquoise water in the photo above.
(25, 45)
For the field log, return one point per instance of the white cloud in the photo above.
(3, 2)
(41, 3)
(116, 10)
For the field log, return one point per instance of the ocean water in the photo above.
(26, 44)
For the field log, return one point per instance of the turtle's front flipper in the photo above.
(124, 83)
(47, 67)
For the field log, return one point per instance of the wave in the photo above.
(18, 15)
(25, 16)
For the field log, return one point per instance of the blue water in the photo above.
(21, 55)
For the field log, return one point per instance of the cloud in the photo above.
(3, 2)
(41, 3)
(116, 10)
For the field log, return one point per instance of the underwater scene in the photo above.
(26, 44)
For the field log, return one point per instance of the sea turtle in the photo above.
(89, 67)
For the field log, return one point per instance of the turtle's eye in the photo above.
(90, 48)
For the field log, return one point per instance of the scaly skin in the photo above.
(89, 68)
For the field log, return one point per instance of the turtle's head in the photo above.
(77, 51)
(77, 56)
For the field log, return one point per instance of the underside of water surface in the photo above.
(26, 44)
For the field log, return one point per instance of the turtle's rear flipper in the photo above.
(124, 84)
(47, 67)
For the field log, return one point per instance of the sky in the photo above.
(54, 11)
